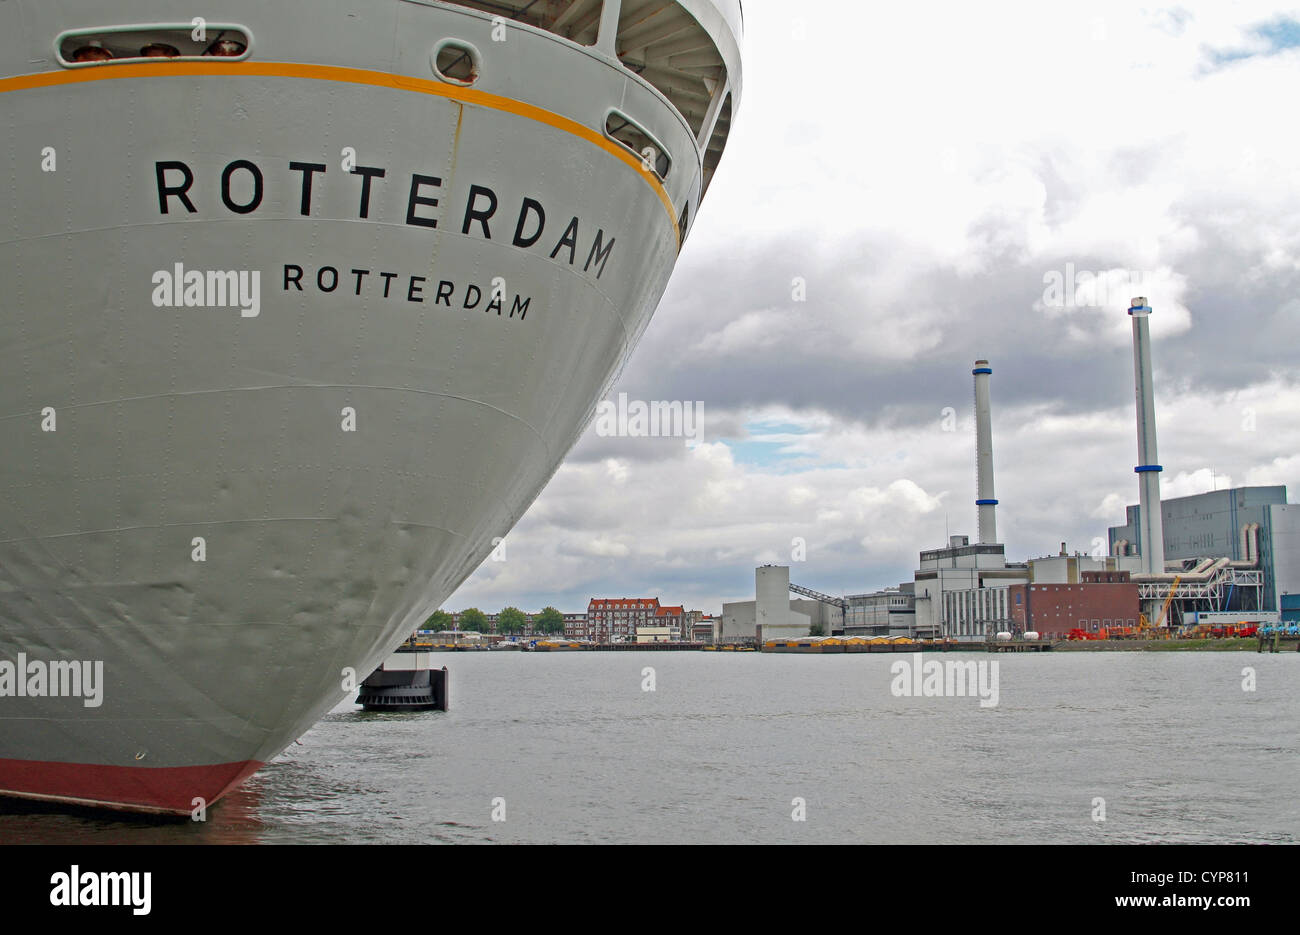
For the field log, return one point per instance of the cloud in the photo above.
(922, 199)
(1188, 483)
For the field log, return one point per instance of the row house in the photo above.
(673, 619)
(615, 619)
(575, 626)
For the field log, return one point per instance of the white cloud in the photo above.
(1189, 483)
(701, 521)
(1111, 508)
(923, 167)
(1282, 470)
(750, 331)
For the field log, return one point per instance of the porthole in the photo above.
(456, 62)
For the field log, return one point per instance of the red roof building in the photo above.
(675, 618)
(615, 619)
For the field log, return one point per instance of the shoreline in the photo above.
(1230, 644)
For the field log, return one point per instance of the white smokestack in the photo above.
(1151, 526)
(986, 502)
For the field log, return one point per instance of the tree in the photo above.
(511, 620)
(438, 620)
(473, 619)
(815, 629)
(549, 620)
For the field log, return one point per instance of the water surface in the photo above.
(726, 743)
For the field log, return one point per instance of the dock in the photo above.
(406, 681)
(562, 646)
(823, 645)
(1277, 643)
(1019, 646)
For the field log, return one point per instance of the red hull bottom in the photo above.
(167, 790)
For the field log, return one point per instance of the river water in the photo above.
(570, 747)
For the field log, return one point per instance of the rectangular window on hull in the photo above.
(652, 153)
(575, 20)
(77, 48)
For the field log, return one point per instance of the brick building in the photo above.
(575, 626)
(1102, 599)
(615, 619)
(672, 617)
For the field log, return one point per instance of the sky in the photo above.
(908, 188)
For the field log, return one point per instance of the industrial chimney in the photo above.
(1151, 527)
(988, 526)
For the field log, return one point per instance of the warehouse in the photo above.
(1251, 526)
(1101, 601)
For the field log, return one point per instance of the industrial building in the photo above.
(959, 591)
(1253, 527)
(773, 615)
(964, 593)
(890, 612)
(977, 612)
(1229, 551)
(1101, 600)
(705, 628)
(1223, 551)
(1206, 578)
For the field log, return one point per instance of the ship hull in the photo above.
(237, 510)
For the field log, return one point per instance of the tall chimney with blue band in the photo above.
(986, 502)
(1151, 527)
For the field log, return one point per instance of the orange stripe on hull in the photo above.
(363, 76)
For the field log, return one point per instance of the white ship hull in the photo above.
(234, 504)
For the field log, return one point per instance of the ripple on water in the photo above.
(577, 752)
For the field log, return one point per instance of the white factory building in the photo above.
(773, 615)
(889, 612)
(960, 584)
